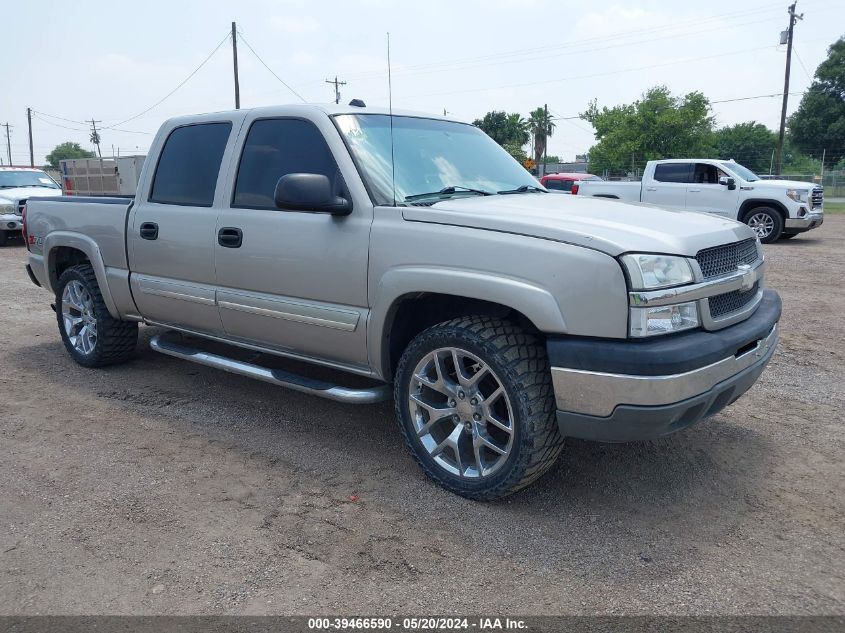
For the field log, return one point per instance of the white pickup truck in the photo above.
(774, 209)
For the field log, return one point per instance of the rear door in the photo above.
(296, 281)
(668, 185)
(705, 194)
(172, 228)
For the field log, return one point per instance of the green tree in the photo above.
(657, 126)
(505, 129)
(819, 121)
(750, 144)
(516, 151)
(541, 127)
(67, 150)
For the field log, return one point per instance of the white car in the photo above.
(774, 209)
(17, 184)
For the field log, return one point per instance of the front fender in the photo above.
(536, 303)
(86, 245)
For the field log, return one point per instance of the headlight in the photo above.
(798, 195)
(7, 206)
(648, 272)
(664, 319)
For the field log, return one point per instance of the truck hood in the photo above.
(612, 227)
(780, 184)
(19, 193)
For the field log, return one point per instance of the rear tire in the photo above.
(766, 223)
(92, 336)
(493, 429)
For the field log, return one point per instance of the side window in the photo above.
(673, 172)
(706, 174)
(557, 185)
(187, 169)
(273, 148)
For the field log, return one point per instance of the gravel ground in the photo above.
(165, 487)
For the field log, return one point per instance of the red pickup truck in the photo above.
(565, 182)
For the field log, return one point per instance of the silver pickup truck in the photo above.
(414, 251)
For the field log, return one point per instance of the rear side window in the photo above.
(559, 185)
(187, 169)
(673, 172)
(274, 148)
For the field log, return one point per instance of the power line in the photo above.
(337, 85)
(801, 61)
(282, 81)
(169, 94)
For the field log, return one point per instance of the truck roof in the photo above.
(330, 109)
(693, 160)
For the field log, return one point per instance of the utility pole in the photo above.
(95, 136)
(8, 141)
(337, 85)
(545, 135)
(793, 18)
(235, 61)
(29, 125)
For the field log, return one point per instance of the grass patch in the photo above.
(834, 207)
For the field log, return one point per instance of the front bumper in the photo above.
(10, 222)
(618, 391)
(799, 225)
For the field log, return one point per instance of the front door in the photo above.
(296, 281)
(705, 194)
(171, 232)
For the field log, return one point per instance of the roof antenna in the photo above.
(390, 110)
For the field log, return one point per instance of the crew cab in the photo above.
(17, 184)
(416, 253)
(565, 182)
(774, 209)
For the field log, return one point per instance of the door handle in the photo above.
(651, 188)
(230, 237)
(693, 190)
(149, 231)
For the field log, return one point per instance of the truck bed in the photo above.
(621, 190)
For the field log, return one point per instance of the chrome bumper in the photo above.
(809, 221)
(599, 394)
(10, 222)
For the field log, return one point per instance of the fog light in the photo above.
(664, 319)
(802, 212)
(11, 225)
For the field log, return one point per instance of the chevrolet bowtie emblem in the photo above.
(747, 277)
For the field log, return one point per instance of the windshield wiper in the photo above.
(448, 190)
(523, 189)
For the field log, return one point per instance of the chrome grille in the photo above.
(723, 304)
(21, 205)
(721, 260)
(818, 197)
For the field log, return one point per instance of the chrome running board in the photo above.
(278, 377)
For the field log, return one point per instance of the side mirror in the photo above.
(730, 183)
(309, 192)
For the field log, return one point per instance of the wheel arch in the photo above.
(749, 205)
(65, 249)
(410, 301)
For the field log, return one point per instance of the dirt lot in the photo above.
(165, 487)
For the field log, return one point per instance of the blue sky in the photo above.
(111, 61)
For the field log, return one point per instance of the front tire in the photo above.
(4, 238)
(475, 406)
(91, 335)
(766, 223)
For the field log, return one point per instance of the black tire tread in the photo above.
(116, 339)
(526, 368)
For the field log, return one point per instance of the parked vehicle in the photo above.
(101, 176)
(774, 209)
(565, 182)
(17, 184)
(504, 317)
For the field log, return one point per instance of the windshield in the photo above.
(743, 172)
(430, 156)
(10, 179)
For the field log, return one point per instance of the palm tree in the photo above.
(517, 130)
(541, 127)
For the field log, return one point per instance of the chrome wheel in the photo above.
(78, 318)
(461, 413)
(762, 224)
